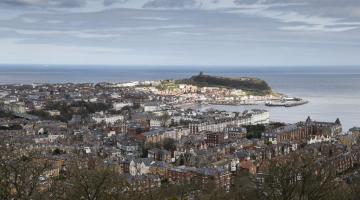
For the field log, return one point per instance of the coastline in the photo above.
(327, 98)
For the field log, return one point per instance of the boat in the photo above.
(286, 102)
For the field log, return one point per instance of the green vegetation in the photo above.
(250, 85)
(57, 151)
(12, 127)
(67, 110)
(169, 144)
(254, 131)
(167, 85)
(275, 125)
(4, 114)
(42, 114)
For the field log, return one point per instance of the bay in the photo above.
(333, 92)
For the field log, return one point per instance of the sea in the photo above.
(333, 92)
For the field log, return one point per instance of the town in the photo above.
(146, 134)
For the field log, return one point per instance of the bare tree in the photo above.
(94, 184)
(298, 177)
(280, 181)
(22, 176)
(317, 180)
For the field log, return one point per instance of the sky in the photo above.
(180, 32)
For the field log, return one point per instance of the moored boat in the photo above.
(288, 102)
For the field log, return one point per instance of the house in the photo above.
(159, 168)
(304, 131)
(180, 174)
(215, 138)
(218, 176)
(54, 113)
(151, 107)
(155, 122)
(16, 107)
(235, 132)
(343, 162)
(158, 135)
(108, 119)
(140, 166)
(220, 123)
(142, 183)
(129, 147)
(50, 138)
(120, 105)
(355, 130)
(259, 117)
(46, 127)
(124, 167)
(159, 154)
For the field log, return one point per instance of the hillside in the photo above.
(250, 85)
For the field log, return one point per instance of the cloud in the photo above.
(192, 31)
(29, 20)
(52, 53)
(111, 2)
(182, 33)
(318, 28)
(309, 22)
(326, 3)
(193, 4)
(24, 2)
(45, 3)
(170, 4)
(111, 33)
(152, 18)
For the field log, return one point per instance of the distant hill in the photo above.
(251, 85)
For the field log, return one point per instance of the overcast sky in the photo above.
(180, 32)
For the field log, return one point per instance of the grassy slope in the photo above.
(250, 85)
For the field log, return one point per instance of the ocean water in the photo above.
(333, 92)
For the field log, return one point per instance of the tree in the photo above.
(169, 144)
(298, 177)
(243, 187)
(317, 180)
(280, 181)
(164, 119)
(254, 131)
(95, 184)
(350, 191)
(56, 151)
(185, 159)
(22, 176)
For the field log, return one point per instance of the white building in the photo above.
(237, 92)
(260, 117)
(252, 118)
(319, 139)
(129, 84)
(18, 107)
(155, 122)
(54, 112)
(151, 107)
(140, 166)
(119, 106)
(48, 139)
(108, 119)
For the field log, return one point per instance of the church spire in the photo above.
(337, 121)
